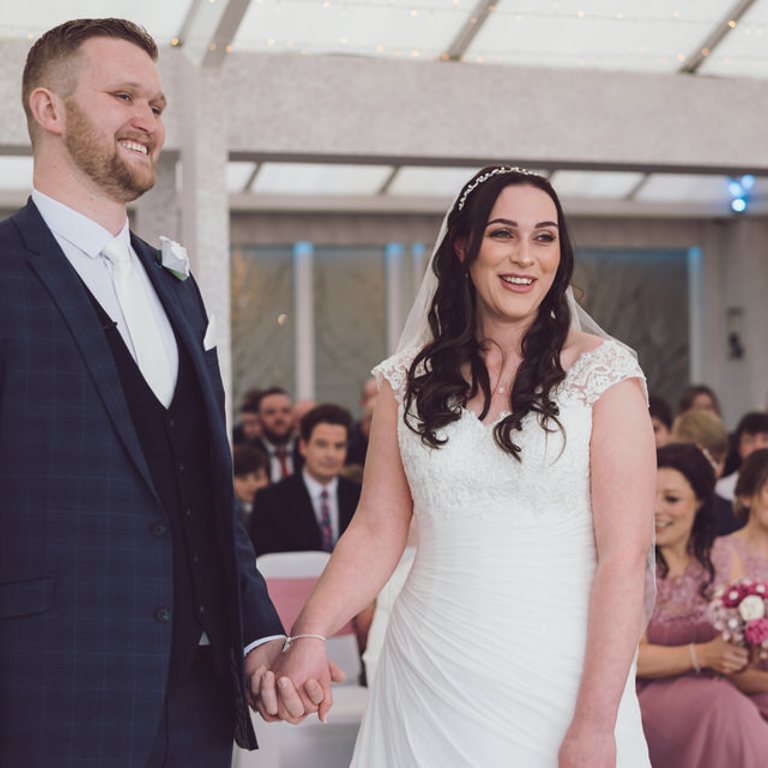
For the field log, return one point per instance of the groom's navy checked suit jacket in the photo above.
(84, 651)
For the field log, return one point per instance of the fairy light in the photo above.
(175, 42)
(732, 23)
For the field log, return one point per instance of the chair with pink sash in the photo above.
(291, 577)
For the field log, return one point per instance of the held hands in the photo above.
(722, 657)
(289, 685)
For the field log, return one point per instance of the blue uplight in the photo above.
(739, 205)
(736, 189)
(747, 181)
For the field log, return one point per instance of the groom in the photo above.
(131, 612)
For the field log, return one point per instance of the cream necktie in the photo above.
(151, 356)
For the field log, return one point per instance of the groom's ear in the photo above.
(459, 249)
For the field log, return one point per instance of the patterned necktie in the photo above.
(326, 532)
(143, 329)
(282, 458)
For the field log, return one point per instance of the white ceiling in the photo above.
(649, 36)
(652, 35)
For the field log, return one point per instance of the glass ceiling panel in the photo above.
(163, 20)
(238, 174)
(653, 36)
(421, 29)
(423, 180)
(598, 184)
(16, 173)
(319, 179)
(684, 188)
(744, 51)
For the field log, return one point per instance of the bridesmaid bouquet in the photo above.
(739, 612)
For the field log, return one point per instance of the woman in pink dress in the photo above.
(692, 716)
(745, 554)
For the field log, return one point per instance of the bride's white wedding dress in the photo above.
(484, 650)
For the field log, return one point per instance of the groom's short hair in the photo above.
(52, 61)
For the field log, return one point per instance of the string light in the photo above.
(739, 190)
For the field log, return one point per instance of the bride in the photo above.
(524, 450)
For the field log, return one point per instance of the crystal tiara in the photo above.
(493, 172)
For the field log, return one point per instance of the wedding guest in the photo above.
(310, 509)
(358, 437)
(661, 418)
(698, 397)
(705, 429)
(248, 428)
(751, 435)
(250, 465)
(745, 554)
(278, 437)
(693, 717)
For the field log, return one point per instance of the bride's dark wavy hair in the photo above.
(436, 384)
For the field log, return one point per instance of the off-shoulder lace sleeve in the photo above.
(596, 371)
(395, 371)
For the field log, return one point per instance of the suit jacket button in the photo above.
(158, 528)
(163, 615)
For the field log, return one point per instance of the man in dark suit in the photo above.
(278, 439)
(311, 509)
(131, 613)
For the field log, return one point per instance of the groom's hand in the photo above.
(257, 665)
(305, 671)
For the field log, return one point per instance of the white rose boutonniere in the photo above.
(752, 607)
(174, 258)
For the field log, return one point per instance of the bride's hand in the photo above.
(588, 749)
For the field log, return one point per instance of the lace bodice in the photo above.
(592, 373)
(680, 614)
(471, 475)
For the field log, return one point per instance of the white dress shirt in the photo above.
(82, 241)
(274, 463)
(315, 489)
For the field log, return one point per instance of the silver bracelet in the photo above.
(694, 659)
(289, 640)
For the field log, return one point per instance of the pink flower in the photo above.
(756, 631)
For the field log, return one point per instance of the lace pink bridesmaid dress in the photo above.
(695, 720)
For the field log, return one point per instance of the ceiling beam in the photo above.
(727, 24)
(467, 33)
(209, 29)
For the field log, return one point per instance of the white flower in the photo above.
(174, 257)
(752, 607)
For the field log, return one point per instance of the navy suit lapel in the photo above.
(67, 292)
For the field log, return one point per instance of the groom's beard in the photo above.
(274, 438)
